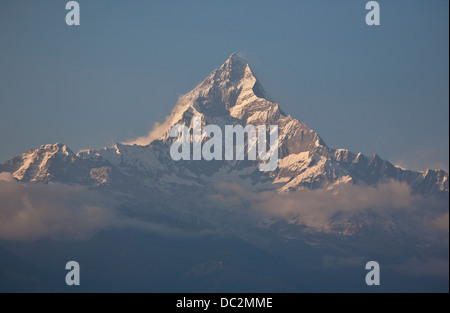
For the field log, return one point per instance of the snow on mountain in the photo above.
(48, 163)
(231, 94)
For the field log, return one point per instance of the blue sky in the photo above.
(369, 89)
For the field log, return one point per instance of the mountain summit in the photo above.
(232, 95)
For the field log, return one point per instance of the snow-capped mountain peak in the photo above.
(33, 165)
(231, 94)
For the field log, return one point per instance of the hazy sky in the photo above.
(369, 89)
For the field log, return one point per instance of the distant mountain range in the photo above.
(232, 95)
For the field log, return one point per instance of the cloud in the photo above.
(5, 176)
(156, 132)
(347, 205)
(34, 211)
(367, 220)
(441, 223)
(158, 129)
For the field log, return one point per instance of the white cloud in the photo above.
(158, 129)
(5, 176)
(33, 211)
(322, 210)
(156, 132)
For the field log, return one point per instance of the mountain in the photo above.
(230, 95)
(164, 225)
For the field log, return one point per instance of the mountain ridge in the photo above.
(231, 94)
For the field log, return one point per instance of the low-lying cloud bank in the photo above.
(34, 211)
(31, 211)
(325, 210)
(421, 224)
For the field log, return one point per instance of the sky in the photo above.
(378, 89)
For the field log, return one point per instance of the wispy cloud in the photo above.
(158, 128)
(34, 211)
(156, 132)
(322, 210)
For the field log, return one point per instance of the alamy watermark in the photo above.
(373, 276)
(373, 17)
(73, 276)
(212, 148)
(73, 16)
